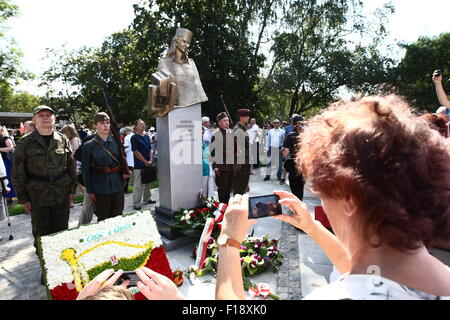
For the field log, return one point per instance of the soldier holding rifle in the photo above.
(102, 170)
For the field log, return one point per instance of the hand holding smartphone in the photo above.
(264, 206)
(128, 275)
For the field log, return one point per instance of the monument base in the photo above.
(172, 239)
(179, 169)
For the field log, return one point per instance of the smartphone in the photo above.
(128, 275)
(264, 206)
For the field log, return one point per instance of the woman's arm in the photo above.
(301, 218)
(442, 96)
(229, 284)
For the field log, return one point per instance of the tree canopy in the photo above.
(275, 57)
(10, 66)
(412, 76)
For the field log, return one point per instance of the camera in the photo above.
(264, 206)
(437, 73)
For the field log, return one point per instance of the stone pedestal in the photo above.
(179, 169)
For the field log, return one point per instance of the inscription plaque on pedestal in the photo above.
(179, 165)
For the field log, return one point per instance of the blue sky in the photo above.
(75, 23)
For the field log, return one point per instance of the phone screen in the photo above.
(264, 206)
(128, 275)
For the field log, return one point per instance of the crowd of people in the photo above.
(381, 171)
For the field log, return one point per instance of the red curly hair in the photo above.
(394, 167)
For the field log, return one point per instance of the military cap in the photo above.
(41, 108)
(100, 116)
(243, 113)
(297, 118)
(221, 115)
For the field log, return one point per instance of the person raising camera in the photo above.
(440, 92)
(383, 176)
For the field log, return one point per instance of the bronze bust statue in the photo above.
(177, 83)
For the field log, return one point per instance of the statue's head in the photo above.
(181, 42)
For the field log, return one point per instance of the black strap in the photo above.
(46, 178)
(107, 151)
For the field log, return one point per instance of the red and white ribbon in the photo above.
(203, 244)
(219, 213)
(262, 289)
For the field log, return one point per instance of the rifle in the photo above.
(226, 111)
(116, 135)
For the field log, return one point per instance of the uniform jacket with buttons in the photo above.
(33, 157)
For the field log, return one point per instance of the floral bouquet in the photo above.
(191, 222)
(258, 254)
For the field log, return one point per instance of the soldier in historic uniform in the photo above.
(44, 175)
(242, 164)
(101, 171)
(223, 153)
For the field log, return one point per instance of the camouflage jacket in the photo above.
(36, 163)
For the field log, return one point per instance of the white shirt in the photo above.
(207, 135)
(128, 151)
(275, 138)
(253, 133)
(369, 287)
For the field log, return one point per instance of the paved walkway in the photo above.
(304, 269)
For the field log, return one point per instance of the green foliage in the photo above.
(412, 77)
(275, 57)
(9, 56)
(23, 102)
(15, 210)
(321, 47)
(123, 264)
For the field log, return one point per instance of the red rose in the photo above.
(64, 291)
(158, 262)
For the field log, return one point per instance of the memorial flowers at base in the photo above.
(257, 254)
(72, 258)
(191, 222)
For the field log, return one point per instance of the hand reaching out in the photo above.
(155, 286)
(105, 279)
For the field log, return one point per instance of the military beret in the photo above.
(41, 108)
(100, 116)
(243, 113)
(221, 115)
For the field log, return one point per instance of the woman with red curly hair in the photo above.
(384, 179)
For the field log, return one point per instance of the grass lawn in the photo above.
(17, 209)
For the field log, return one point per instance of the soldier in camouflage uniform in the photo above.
(242, 164)
(44, 175)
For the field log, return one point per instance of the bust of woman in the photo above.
(175, 61)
